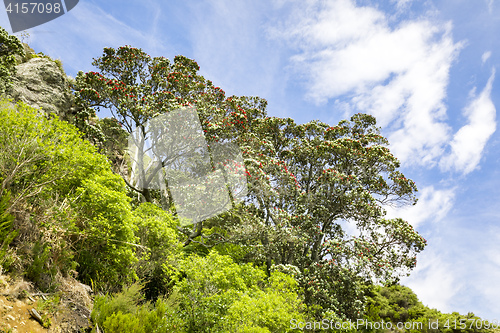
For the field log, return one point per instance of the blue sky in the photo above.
(425, 69)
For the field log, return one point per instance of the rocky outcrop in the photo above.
(28, 54)
(41, 83)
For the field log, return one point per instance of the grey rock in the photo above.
(40, 83)
(28, 54)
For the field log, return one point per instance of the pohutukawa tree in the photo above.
(310, 185)
(136, 88)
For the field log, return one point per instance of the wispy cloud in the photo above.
(434, 280)
(399, 74)
(490, 272)
(402, 4)
(490, 5)
(459, 267)
(468, 143)
(486, 55)
(432, 206)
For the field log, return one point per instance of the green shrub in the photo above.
(268, 310)
(125, 301)
(120, 322)
(127, 310)
(215, 295)
(163, 318)
(219, 295)
(78, 205)
(10, 46)
(7, 235)
(6, 218)
(40, 270)
(160, 251)
(106, 249)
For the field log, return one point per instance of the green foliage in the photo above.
(126, 310)
(43, 159)
(7, 235)
(214, 295)
(41, 271)
(40, 154)
(163, 317)
(399, 304)
(10, 46)
(210, 286)
(125, 302)
(135, 88)
(29, 157)
(106, 250)
(24, 150)
(119, 322)
(268, 310)
(6, 218)
(156, 233)
(220, 296)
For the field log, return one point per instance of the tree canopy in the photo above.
(309, 184)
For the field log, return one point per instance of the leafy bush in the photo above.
(124, 302)
(268, 310)
(214, 295)
(40, 270)
(120, 322)
(399, 304)
(126, 311)
(10, 46)
(210, 286)
(219, 295)
(77, 204)
(6, 232)
(106, 248)
(159, 251)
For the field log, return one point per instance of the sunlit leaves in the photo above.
(308, 181)
(10, 47)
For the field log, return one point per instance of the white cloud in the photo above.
(489, 3)
(468, 143)
(459, 270)
(490, 276)
(432, 206)
(434, 280)
(402, 4)
(486, 55)
(399, 74)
